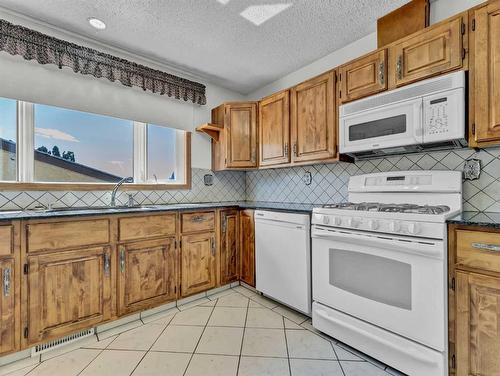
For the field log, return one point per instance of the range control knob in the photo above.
(413, 228)
(326, 220)
(336, 221)
(394, 226)
(373, 224)
(351, 222)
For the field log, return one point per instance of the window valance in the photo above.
(33, 45)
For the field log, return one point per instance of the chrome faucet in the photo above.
(128, 179)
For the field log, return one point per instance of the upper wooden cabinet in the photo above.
(236, 147)
(313, 118)
(229, 246)
(66, 291)
(274, 129)
(247, 247)
(363, 77)
(485, 76)
(435, 50)
(146, 274)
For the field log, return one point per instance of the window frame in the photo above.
(25, 160)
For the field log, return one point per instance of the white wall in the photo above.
(30, 81)
(440, 9)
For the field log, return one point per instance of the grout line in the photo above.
(336, 356)
(286, 345)
(242, 338)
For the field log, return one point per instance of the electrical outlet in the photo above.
(208, 180)
(472, 169)
(307, 178)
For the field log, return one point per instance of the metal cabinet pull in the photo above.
(224, 224)
(399, 67)
(212, 244)
(486, 247)
(6, 281)
(286, 149)
(197, 218)
(122, 258)
(295, 149)
(381, 73)
(107, 264)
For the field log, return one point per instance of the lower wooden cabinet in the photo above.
(229, 246)
(66, 291)
(146, 274)
(198, 267)
(477, 348)
(247, 247)
(8, 333)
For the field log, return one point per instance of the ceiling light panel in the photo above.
(97, 23)
(258, 14)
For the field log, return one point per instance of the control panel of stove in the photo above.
(391, 226)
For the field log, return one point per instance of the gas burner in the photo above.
(390, 208)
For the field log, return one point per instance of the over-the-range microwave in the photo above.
(427, 115)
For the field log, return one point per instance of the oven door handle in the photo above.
(420, 248)
(324, 315)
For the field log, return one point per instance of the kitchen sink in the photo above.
(93, 208)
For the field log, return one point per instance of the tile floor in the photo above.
(234, 332)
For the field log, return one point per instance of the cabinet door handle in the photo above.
(122, 258)
(486, 247)
(381, 73)
(212, 244)
(6, 281)
(295, 149)
(197, 218)
(286, 149)
(399, 67)
(107, 263)
(224, 224)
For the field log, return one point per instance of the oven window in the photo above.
(378, 128)
(373, 277)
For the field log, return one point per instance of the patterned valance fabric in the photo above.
(33, 45)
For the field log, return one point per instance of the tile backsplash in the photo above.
(328, 184)
(329, 181)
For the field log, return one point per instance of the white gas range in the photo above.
(379, 267)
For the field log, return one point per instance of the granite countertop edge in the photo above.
(476, 218)
(41, 214)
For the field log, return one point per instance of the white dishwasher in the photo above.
(283, 258)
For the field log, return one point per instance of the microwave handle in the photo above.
(418, 115)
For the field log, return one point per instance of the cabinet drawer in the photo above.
(6, 235)
(131, 228)
(59, 235)
(199, 221)
(478, 250)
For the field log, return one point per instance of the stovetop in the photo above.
(390, 208)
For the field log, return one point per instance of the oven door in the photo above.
(396, 283)
(383, 127)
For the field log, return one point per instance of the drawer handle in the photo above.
(381, 73)
(107, 264)
(6, 281)
(197, 218)
(486, 247)
(399, 67)
(122, 259)
(286, 149)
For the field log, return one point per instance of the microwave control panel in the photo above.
(444, 116)
(437, 116)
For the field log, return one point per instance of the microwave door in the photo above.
(383, 127)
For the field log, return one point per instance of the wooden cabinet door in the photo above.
(274, 129)
(198, 263)
(7, 306)
(229, 246)
(485, 77)
(240, 122)
(431, 52)
(364, 76)
(66, 292)
(247, 247)
(477, 331)
(313, 119)
(146, 274)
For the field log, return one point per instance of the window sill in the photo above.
(16, 186)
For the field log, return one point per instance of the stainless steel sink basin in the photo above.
(93, 208)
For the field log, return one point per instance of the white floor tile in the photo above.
(113, 362)
(263, 318)
(210, 303)
(290, 314)
(220, 294)
(119, 329)
(71, 363)
(228, 316)
(192, 304)
(192, 316)
(21, 372)
(220, 340)
(17, 365)
(361, 369)
(212, 365)
(344, 354)
(141, 338)
(162, 364)
(291, 325)
(264, 342)
(178, 339)
(309, 367)
(244, 291)
(233, 300)
(102, 344)
(304, 344)
(268, 303)
(160, 318)
(257, 366)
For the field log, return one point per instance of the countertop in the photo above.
(40, 214)
(476, 218)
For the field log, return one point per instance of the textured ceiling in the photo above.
(211, 39)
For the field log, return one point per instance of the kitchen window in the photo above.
(51, 147)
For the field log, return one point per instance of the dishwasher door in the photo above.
(283, 258)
